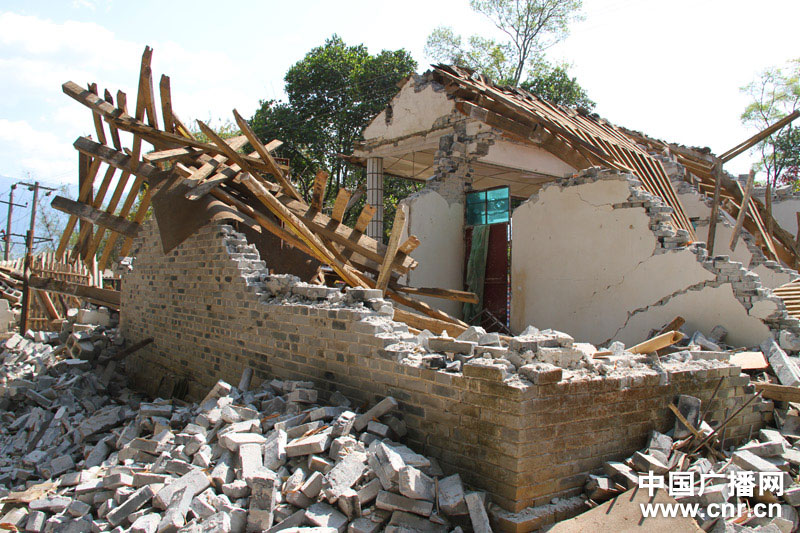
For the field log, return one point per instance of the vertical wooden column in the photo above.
(375, 197)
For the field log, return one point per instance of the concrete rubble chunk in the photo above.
(451, 496)
(401, 522)
(344, 475)
(135, 501)
(416, 485)
(477, 513)
(381, 408)
(308, 445)
(323, 515)
(193, 483)
(395, 502)
(787, 372)
(689, 407)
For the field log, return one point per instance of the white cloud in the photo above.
(43, 154)
(37, 55)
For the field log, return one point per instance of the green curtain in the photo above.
(476, 269)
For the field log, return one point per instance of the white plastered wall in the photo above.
(527, 158)
(785, 212)
(581, 266)
(695, 207)
(412, 112)
(440, 229)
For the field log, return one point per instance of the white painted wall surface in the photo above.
(412, 112)
(440, 228)
(527, 158)
(785, 212)
(580, 266)
(695, 207)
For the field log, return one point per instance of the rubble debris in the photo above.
(83, 453)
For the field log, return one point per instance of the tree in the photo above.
(775, 94)
(553, 83)
(333, 92)
(531, 26)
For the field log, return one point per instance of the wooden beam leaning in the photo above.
(758, 137)
(166, 103)
(95, 216)
(385, 272)
(266, 157)
(748, 190)
(712, 224)
(90, 166)
(98, 120)
(116, 159)
(365, 217)
(113, 129)
(318, 192)
(282, 212)
(410, 245)
(321, 253)
(97, 295)
(445, 294)
(122, 101)
(265, 222)
(138, 218)
(340, 205)
(47, 303)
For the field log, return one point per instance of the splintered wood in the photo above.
(218, 180)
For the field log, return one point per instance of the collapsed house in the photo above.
(606, 253)
(600, 247)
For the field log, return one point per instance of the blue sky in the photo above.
(671, 69)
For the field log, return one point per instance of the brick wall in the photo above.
(209, 310)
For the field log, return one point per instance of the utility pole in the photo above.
(8, 222)
(26, 274)
(11, 205)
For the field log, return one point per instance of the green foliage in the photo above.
(775, 94)
(554, 83)
(225, 130)
(530, 26)
(333, 92)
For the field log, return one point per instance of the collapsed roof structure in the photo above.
(603, 254)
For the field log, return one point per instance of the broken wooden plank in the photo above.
(322, 254)
(410, 245)
(318, 191)
(781, 393)
(712, 224)
(95, 216)
(266, 157)
(367, 214)
(116, 159)
(445, 294)
(131, 349)
(89, 168)
(107, 297)
(166, 103)
(758, 137)
(657, 343)
(340, 205)
(750, 360)
(398, 226)
(48, 305)
(748, 190)
(188, 153)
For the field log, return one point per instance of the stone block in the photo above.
(383, 407)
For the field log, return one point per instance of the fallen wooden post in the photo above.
(657, 343)
(748, 190)
(131, 349)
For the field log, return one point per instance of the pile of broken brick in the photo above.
(717, 476)
(80, 452)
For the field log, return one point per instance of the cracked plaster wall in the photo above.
(587, 259)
